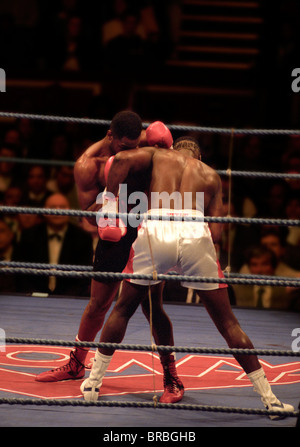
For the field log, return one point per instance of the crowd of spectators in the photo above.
(28, 237)
(82, 35)
(123, 46)
(243, 247)
(113, 45)
(35, 184)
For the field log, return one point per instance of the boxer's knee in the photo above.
(236, 337)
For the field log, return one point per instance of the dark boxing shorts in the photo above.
(113, 256)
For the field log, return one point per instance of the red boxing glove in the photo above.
(110, 228)
(159, 135)
(107, 167)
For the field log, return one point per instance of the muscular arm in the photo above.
(87, 173)
(127, 163)
(88, 169)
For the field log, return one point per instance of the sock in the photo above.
(100, 365)
(262, 386)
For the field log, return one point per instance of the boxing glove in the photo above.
(110, 228)
(158, 134)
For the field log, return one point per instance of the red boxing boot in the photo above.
(74, 369)
(174, 389)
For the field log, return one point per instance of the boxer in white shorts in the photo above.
(161, 245)
(185, 247)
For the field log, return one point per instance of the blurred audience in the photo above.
(7, 253)
(80, 30)
(13, 197)
(7, 241)
(127, 48)
(291, 163)
(292, 211)
(60, 146)
(71, 51)
(55, 241)
(235, 240)
(145, 20)
(262, 261)
(272, 203)
(113, 25)
(275, 240)
(8, 169)
(250, 153)
(12, 137)
(36, 191)
(64, 183)
(29, 137)
(26, 221)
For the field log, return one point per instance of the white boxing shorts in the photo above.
(183, 246)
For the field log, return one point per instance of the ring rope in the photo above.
(254, 174)
(89, 268)
(221, 130)
(12, 265)
(288, 282)
(159, 348)
(37, 161)
(228, 172)
(82, 403)
(37, 265)
(90, 214)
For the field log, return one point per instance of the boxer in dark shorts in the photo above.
(91, 171)
(113, 256)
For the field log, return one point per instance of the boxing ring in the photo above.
(216, 389)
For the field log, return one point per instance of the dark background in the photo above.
(204, 63)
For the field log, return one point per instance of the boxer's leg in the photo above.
(218, 306)
(102, 295)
